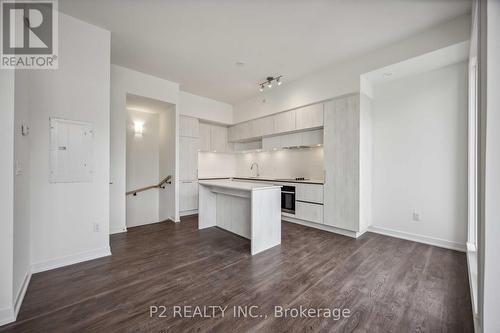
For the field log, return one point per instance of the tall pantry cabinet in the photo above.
(347, 162)
(189, 145)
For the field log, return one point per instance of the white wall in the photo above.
(285, 163)
(343, 78)
(213, 165)
(205, 108)
(22, 229)
(6, 194)
(419, 155)
(143, 163)
(166, 205)
(491, 236)
(64, 214)
(123, 81)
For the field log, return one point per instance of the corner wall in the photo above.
(64, 214)
(420, 157)
(123, 81)
(6, 194)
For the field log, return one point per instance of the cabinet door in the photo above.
(188, 126)
(312, 138)
(309, 192)
(284, 122)
(341, 160)
(205, 137)
(188, 195)
(309, 212)
(219, 139)
(188, 158)
(262, 127)
(272, 142)
(310, 116)
(240, 132)
(291, 140)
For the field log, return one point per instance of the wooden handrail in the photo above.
(166, 180)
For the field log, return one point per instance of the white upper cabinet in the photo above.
(310, 116)
(213, 138)
(291, 140)
(285, 122)
(272, 142)
(240, 131)
(205, 137)
(262, 127)
(308, 138)
(218, 138)
(312, 138)
(189, 127)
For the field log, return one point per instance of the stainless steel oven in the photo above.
(288, 199)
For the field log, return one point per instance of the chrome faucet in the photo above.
(256, 165)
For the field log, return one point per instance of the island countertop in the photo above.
(238, 185)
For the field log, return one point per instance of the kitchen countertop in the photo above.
(237, 185)
(308, 181)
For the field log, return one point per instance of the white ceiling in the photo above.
(198, 42)
(427, 62)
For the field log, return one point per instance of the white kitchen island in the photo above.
(250, 210)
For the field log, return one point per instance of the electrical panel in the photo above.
(71, 150)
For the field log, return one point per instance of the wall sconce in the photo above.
(138, 128)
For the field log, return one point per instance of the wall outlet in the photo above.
(97, 227)
(416, 216)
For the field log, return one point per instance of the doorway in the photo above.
(150, 161)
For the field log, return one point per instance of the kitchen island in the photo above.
(250, 210)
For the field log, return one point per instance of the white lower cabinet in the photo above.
(309, 211)
(188, 195)
(309, 192)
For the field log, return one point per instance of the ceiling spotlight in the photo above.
(269, 82)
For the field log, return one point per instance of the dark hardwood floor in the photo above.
(388, 284)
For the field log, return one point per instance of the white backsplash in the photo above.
(285, 163)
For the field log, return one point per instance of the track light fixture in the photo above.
(269, 82)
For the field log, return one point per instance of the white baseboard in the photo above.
(117, 230)
(324, 227)
(7, 316)
(22, 291)
(418, 238)
(70, 260)
(188, 212)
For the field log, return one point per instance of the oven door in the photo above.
(288, 199)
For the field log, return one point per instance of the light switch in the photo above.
(19, 168)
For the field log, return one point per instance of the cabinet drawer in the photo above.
(188, 195)
(309, 212)
(309, 192)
